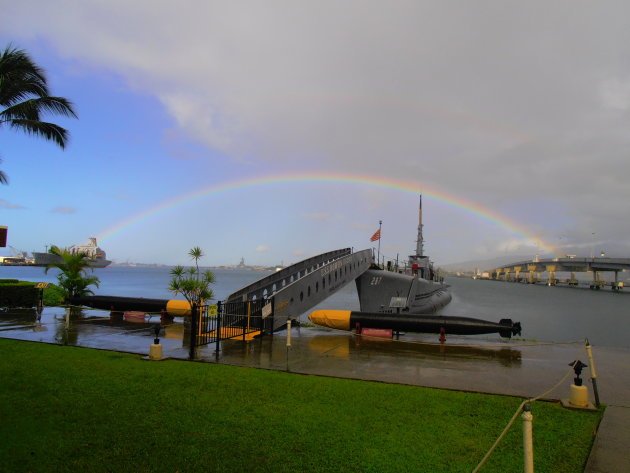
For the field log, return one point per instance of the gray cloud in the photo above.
(498, 102)
(323, 216)
(5, 204)
(64, 210)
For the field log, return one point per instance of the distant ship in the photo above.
(95, 256)
(416, 289)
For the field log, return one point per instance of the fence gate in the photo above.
(242, 320)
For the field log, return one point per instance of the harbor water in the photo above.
(547, 314)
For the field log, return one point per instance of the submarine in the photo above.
(172, 307)
(405, 299)
(423, 323)
(417, 287)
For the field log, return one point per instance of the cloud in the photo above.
(64, 210)
(323, 216)
(175, 143)
(615, 93)
(361, 226)
(5, 204)
(263, 248)
(515, 245)
(492, 104)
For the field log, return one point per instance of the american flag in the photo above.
(376, 236)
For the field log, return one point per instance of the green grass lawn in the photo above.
(77, 409)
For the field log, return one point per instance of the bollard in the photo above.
(155, 351)
(578, 397)
(288, 341)
(589, 352)
(528, 444)
(288, 333)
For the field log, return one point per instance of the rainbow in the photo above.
(365, 180)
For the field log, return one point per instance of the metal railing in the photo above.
(231, 320)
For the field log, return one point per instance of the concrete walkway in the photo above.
(611, 450)
(515, 368)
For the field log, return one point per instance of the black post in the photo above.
(246, 319)
(193, 330)
(273, 305)
(218, 329)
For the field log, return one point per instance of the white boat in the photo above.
(95, 255)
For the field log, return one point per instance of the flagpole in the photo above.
(378, 259)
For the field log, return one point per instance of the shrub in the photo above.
(53, 295)
(18, 295)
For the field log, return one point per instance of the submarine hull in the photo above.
(376, 287)
(172, 307)
(348, 320)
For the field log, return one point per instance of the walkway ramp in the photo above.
(301, 286)
(232, 333)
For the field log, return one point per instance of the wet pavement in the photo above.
(487, 365)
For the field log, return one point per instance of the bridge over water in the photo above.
(535, 268)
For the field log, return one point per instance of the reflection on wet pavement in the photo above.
(341, 346)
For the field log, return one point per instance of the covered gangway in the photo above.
(301, 286)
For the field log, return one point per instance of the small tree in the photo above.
(73, 277)
(191, 283)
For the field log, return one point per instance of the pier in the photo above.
(534, 271)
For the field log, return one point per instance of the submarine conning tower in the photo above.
(418, 261)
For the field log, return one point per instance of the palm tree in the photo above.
(196, 254)
(24, 97)
(73, 277)
(191, 283)
(3, 177)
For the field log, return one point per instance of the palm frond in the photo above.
(20, 77)
(196, 253)
(33, 108)
(26, 110)
(56, 105)
(50, 131)
(177, 271)
(16, 89)
(208, 277)
(17, 63)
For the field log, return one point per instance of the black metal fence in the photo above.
(231, 320)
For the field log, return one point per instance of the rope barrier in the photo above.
(518, 410)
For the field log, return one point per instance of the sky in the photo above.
(277, 130)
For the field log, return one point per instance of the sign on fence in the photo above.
(266, 310)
